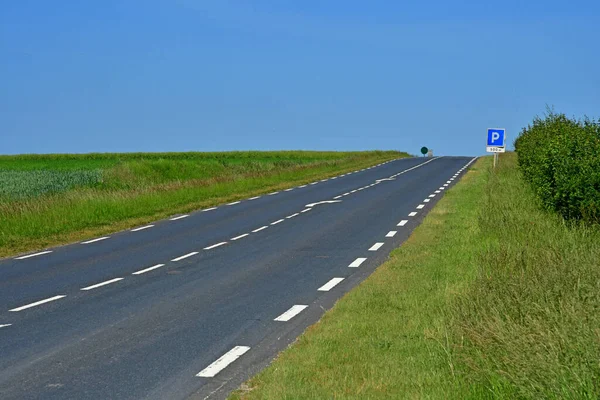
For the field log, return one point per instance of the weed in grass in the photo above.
(530, 323)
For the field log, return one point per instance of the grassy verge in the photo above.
(388, 337)
(491, 297)
(55, 199)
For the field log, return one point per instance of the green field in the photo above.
(53, 199)
(490, 297)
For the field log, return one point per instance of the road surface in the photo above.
(191, 306)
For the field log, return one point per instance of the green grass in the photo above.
(54, 199)
(491, 297)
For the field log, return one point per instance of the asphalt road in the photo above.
(190, 307)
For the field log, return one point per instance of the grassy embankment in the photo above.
(54, 199)
(491, 297)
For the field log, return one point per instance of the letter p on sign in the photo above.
(496, 137)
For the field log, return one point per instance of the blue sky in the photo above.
(175, 75)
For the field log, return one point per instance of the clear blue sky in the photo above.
(173, 75)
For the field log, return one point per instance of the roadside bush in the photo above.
(560, 158)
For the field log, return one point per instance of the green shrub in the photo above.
(560, 158)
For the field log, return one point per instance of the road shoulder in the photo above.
(387, 337)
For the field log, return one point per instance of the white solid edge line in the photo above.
(95, 240)
(376, 246)
(33, 255)
(420, 206)
(142, 228)
(5, 325)
(291, 313)
(222, 363)
(412, 214)
(260, 229)
(37, 303)
(215, 245)
(356, 263)
(330, 285)
(293, 215)
(403, 222)
(234, 203)
(391, 234)
(143, 271)
(180, 217)
(241, 236)
(97, 285)
(278, 221)
(193, 253)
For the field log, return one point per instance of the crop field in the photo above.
(57, 198)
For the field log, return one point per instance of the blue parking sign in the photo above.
(495, 137)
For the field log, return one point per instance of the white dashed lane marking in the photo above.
(356, 263)
(222, 363)
(143, 271)
(37, 303)
(234, 203)
(420, 206)
(97, 285)
(403, 222)
(193, 253)
(95, 240)
(306, 210)
(34, 255)
(260, 229)
(180, 217)
(293, 215)
(330, 285)
(4, 325)
(277, 222)
(391, 234)
(376, 246)
(426, 200)
(209, 209)
(432, 195)
(272, 194)
(241, 236)
(142, 228)
(254, 198)
(291, 313)
(214, 246)
(412, 214)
